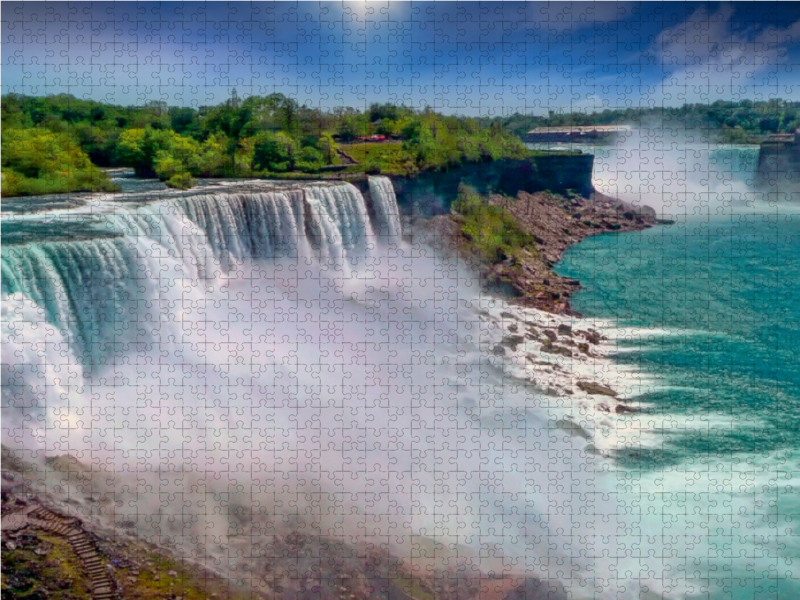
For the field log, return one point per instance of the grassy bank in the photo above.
(492, 231)
(514, 242)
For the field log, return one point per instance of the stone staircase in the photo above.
(103, 587)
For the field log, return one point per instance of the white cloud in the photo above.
(704, 58)
(566, 16)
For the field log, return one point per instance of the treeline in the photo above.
(55, 143)
(744, 121)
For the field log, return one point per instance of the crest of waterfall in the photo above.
(156, 252)
(387, 212)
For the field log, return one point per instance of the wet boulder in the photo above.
(593, 388)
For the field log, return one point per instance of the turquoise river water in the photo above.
(707, 311)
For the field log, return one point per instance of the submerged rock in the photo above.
(573, 428)
(591, 336)
(512, 341)
(551, 348)
(593, 388)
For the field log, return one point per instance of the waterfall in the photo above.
(242, 226)
(339, 222)
(263, 342)
(385, 202)
(150, 253)
(83, 288)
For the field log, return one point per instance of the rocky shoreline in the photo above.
(556, 222)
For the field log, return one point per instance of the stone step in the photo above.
(102, 590)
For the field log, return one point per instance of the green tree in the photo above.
(38, 161)
(212, 155)
(328, 147)
(273, 152)
(310, 160)
(179, 156)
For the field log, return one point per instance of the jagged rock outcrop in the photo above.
(556, 223)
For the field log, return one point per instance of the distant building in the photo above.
(590, 133)
(782, 138)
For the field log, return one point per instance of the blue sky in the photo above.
(460, 57)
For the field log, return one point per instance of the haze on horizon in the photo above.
(467, 58)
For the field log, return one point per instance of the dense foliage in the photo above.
(258, 136)
(55, 143)
(39, 161)
(733, 122)
(492, 231)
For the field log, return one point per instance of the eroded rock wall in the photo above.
(429, 194)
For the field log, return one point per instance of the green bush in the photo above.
(492, 230)
(372, 166)
(181, 181)
(311, 160)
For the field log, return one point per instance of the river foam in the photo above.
(281, 353)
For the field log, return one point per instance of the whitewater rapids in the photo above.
(282, 351)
